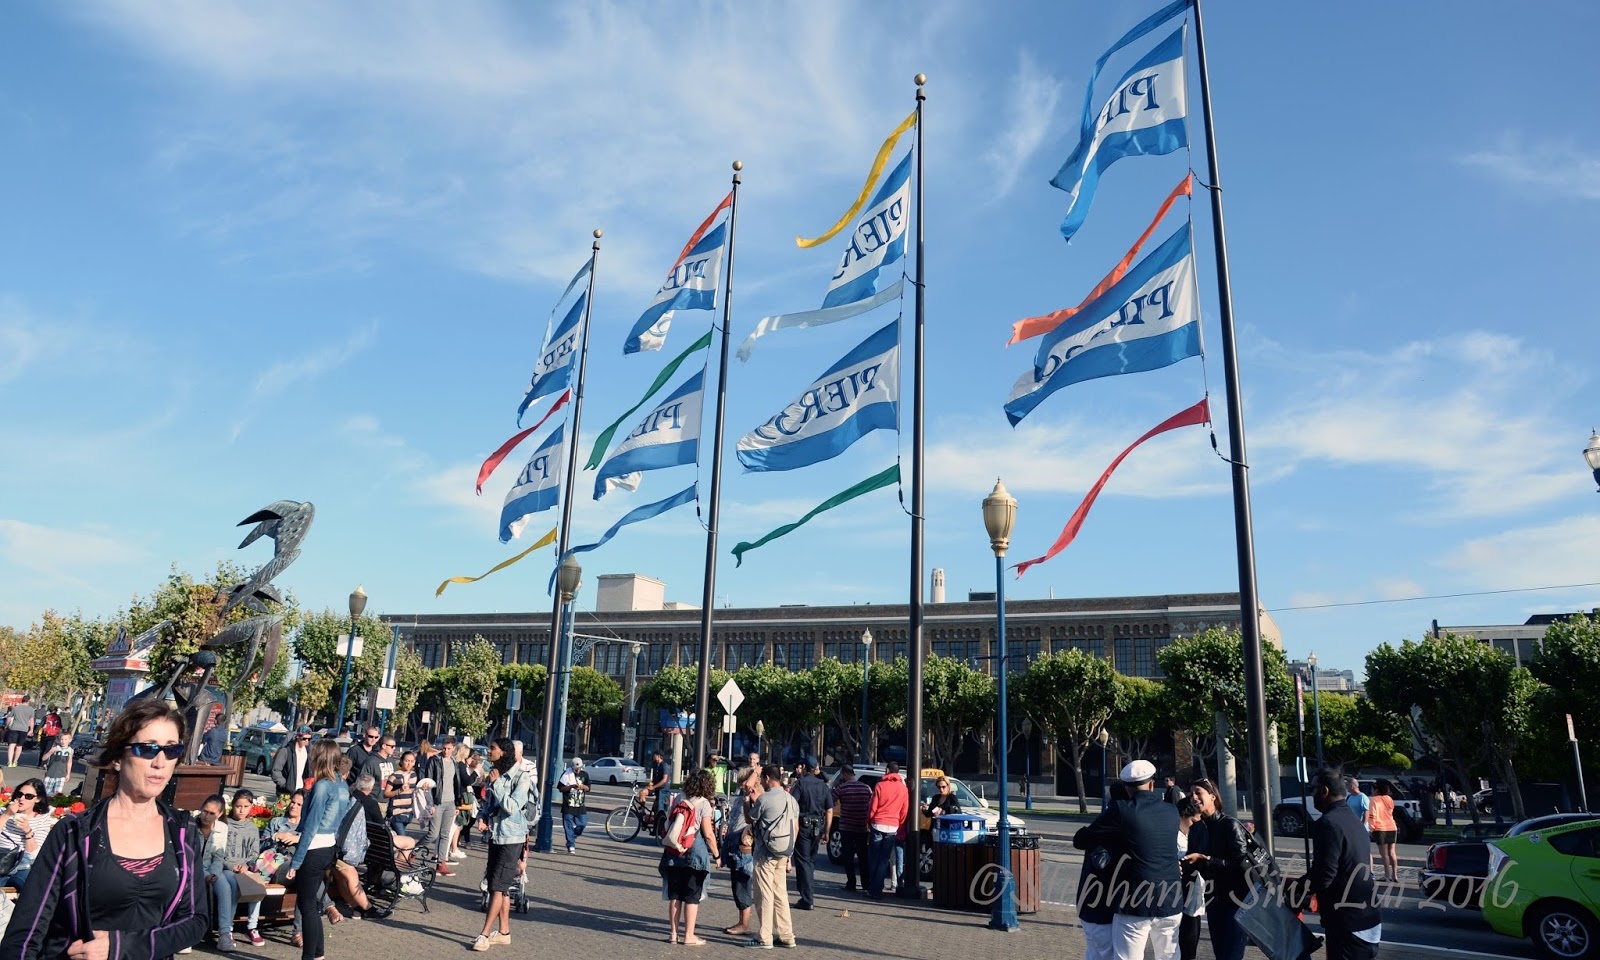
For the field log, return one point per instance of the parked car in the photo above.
(970, 803)
(1454, 871)
(258, 744)
(1411, 818)
(616, 770)
(1545, 885)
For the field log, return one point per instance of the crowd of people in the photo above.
(1155, 863)
(132, 869)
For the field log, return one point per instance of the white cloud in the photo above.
(30, 546)
(1558, 169)
(1029, 116)
(1548, 554)
(308, 366)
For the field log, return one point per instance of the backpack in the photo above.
(682, 824)
(52, 725)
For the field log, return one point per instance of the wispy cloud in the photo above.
(30, 546)
(1029, 116)
(1556, 169)
(22, 340)
(308, 366)
(1540, 555)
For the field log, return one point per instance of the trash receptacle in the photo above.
(1024, 868)
(957, 858)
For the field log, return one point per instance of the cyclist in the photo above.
(660, 780)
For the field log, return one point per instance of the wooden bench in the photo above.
(422, 866)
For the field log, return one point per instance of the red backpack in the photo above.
(682, 824)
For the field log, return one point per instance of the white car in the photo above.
(616, 770)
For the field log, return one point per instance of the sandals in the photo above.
(334, 916)
(736, 931)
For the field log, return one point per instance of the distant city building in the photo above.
(1328, 680)
(1128, 630)
(1521, 640)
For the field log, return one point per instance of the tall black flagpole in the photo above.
(547, 738)
(1249, 608)
(912, 883)
(702, 695)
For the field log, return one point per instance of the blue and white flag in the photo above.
(878, 240)
(1148, 319)
(553, 370)
(647, 512)
(691, 284)
(854, 397)
(1144, 116)
(538, 486)
(668, 436)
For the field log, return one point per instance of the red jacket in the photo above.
(890, 801)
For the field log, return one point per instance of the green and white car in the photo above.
(1545, 885)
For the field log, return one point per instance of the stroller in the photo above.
(519, 888)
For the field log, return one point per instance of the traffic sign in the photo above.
(730, 696)
(730, 724)
(1572, 735)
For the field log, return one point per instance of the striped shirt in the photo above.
(853, 799)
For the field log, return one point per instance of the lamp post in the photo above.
(1591, 456)
(569, 577)
(999, 515)
(358, 603)
(866, 675)
(1027, 763)
(1316, 705)
(1103, 738)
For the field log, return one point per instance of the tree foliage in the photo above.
(1071, 695)
(1205, 675)
(956, 700)
(1355, 733)
(471, 690)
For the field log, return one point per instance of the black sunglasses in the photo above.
(148, 751)
(27, 796)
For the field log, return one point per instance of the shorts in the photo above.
(685, 885)
(1384, 836)
(17, 737)
(502, 870)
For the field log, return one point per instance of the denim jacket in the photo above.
(507, 796)
(324, 810)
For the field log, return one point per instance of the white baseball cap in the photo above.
(1139, 771)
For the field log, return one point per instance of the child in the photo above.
(57, 763)
(241, 848)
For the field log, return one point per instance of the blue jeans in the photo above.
(398, 824)
(1227, 937)
(880, 854)
(226, 889)
(574, 824)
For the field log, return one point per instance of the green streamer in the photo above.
(886, 478)
(604, 441)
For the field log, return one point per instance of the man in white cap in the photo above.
(574, 787)
(1146, 889)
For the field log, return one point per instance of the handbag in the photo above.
(251, 889)
(9, 859)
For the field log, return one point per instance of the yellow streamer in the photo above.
(866, 191)
(544, 541)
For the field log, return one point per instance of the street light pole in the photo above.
(1103, 738)
(1591, 456)
(358, 603)
(569, 576)
(999, 516)
(1316, 706)
(866, 675)
(1027, 762)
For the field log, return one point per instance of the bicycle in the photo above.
(624, 823)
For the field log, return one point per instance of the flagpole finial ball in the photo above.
(598, 233)
(921, 79)
(738, 165)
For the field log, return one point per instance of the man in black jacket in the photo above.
(1341, 876)
(1146, 885)
(292, 763)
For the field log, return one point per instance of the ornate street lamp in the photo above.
(1103, 738)
(999, 516)
(1591, 455)
(1027, 762)
(358, 603)
(569, 577)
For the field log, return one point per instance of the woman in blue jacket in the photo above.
(315, 853)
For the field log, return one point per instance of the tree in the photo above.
(1568, 663)
(1356, 733)
(1205, 677)
(318, 648)
(1071, 695)
(1141, 711)
(529, 679)
(311, 694)
(477, 665)
(675, 688)
(591, 694)
(1473, 702)
(779, 698)
(836, 690)
(956, 700)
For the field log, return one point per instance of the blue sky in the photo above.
(307, 251)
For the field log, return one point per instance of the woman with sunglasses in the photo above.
(122, 879)
(315, 852)
(942, 802)
(23, 827)
(1221, 854)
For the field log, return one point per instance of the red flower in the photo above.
(78, 807)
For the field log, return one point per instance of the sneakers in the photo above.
(481, 944)
(256, 939)
(456, 857)
(445, 871)
(185, 949)
(412, 887)
(791, 944)
(500, 938)
(755, 944)
(225, 943)
(572, 849)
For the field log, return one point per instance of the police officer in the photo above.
(815, 802)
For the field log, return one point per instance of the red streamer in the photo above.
(506, 448)
(1194, 416)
